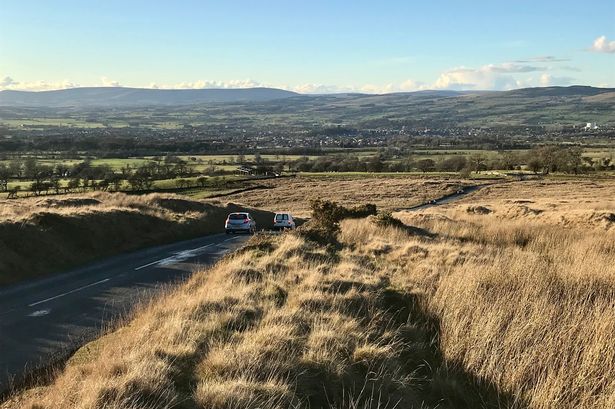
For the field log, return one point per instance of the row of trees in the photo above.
(544, 160)
(85, 176)
(30, 168)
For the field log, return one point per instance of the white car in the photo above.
(240, 222)
(283, 220)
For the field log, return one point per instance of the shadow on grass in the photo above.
(445, 383)
(433, 382)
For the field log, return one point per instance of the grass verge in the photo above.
(43, 235)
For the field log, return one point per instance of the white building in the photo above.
(590, 126)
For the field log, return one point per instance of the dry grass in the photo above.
(284, 323)
(388, 193)
(42, 235)
(570, 203)
(464, 309)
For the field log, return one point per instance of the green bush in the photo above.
(326, 216)
(386, 219)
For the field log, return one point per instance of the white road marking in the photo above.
(177, 257)
(69, 292)
(147, 265)
(39, 313)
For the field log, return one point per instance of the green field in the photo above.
(225, 167)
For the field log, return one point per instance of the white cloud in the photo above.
(411, 85)
(310, 88)
(201, 84)
(9, 83)
(602, 45)
(510, 67)
(543, 59)
(405, 86)
(483, 78)
(547, 80)
(106, 82)
(504, 76)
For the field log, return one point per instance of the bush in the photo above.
(327, 212)
(326, 215)
(386, 219)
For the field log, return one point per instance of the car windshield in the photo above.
(237, 216)
(281, 217)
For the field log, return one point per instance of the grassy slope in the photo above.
(284, 323)
(469, 308)
(538, 106)
(39, 236)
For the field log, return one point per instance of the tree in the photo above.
(202, 181)
(116, 182)
(15, 167)
(375, 164)
(73, 183)
(535, 165)
(426, 165)
(30, 168)
(39, 187)
(13, 192)
(510, 160)
(104, 185)
(453, 164)
(182, 183)
(5, 175)
(573, 159)
(478, 162)
(54, 183)
(556, 159)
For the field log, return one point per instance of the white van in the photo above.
(283, 220)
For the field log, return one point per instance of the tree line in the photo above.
(84, 175)
(540, 160)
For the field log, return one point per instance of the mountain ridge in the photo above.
(125, 96)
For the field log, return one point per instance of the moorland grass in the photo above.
(456, 309)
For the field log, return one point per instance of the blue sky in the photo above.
(315, 46)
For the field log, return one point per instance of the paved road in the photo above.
(449, 198)
(45, 319)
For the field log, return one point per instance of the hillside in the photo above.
(531, 106)
(123, 97)
(69, 230)
(256, 107)
(503, 301)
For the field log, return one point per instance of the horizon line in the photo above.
(299, 93)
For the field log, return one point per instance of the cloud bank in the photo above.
(8, 83)
(602, 45)
(531, 72)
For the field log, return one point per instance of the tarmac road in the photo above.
(43, 320)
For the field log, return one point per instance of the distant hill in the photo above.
(257, 106)
(437, 108)
(124, 97)
(574, 90)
